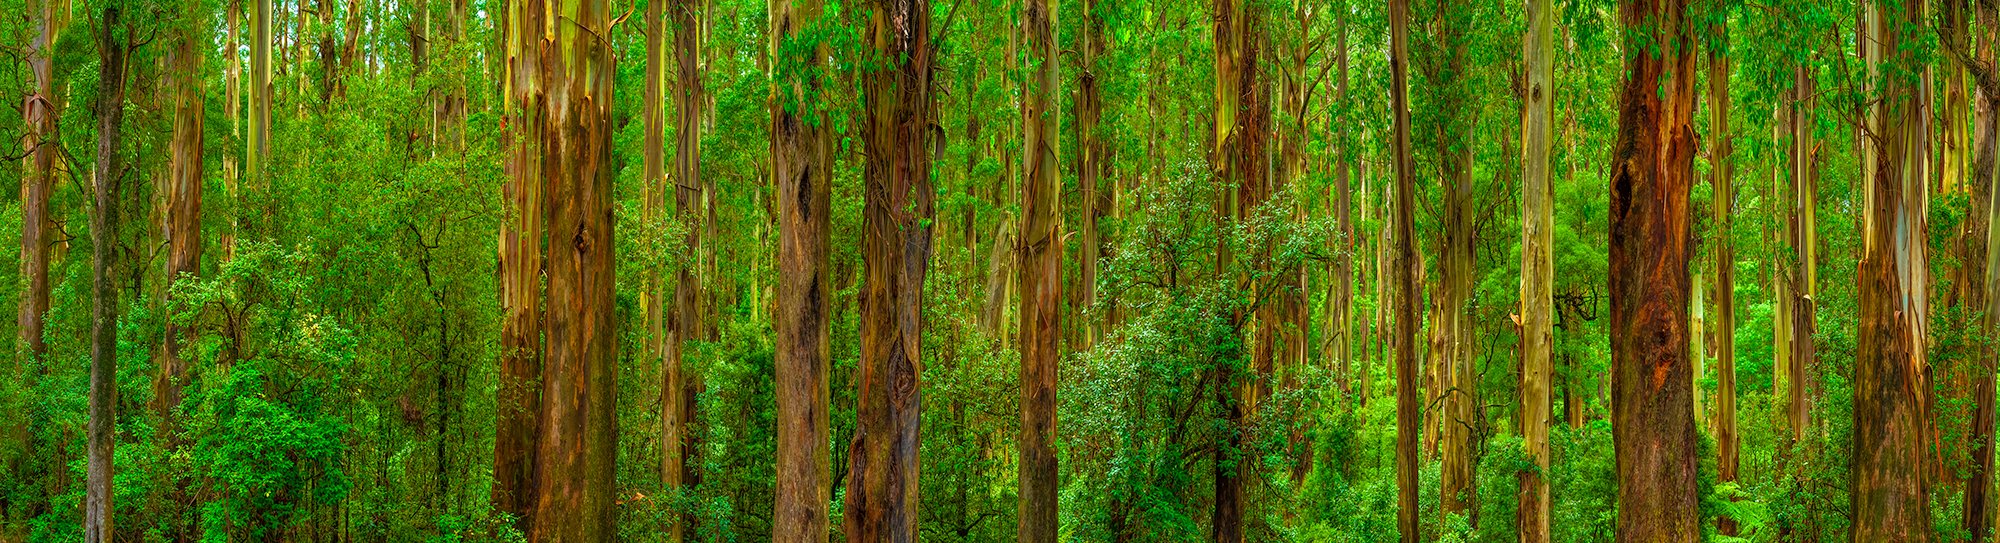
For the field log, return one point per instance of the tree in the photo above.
(1537, 271)
(1040, 254)
(799, 160)
(38, 115)
(1409, 416)
(1652, 172)
(518, 399)
(675, 393)
(577, 448)
(896, 248)
(1889, 491)
(114, 47)
(1721, 148)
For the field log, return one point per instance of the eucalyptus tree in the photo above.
(1039, 251)
(800, 162)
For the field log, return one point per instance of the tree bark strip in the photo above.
(1723, 321)
(1652, 173)
(518, 398)
(800, 152)
(1409, 413)
(113, 49)
(896, 243)
(1537, 272)
(1040, 254)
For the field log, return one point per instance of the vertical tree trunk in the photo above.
(1805, 243)
(258, 149)
(1723, 320)
(1409, 413)
(1091, 168)
(1979, 511)
(183, 232)
(1457, 392)
(1890, 493)
(896, 245)
(577, 450)
(686, 322)
(662, 346)
(518, 400)
(1342, 315)
(800, 152)
(113, 48)
(1040, 253)
(38, 114)
(1537, 271)
(1652, 172)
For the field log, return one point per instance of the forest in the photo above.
(1108, 271)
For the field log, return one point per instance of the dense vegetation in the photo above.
(973, 270)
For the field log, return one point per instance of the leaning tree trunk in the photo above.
(1040, 254)
(800, 149)
(1890, 494)
(578, 451)
(113, 49)
(1537, 272)
(1652, 387)
(896, 247)
(1409, 414)
(1723, 321)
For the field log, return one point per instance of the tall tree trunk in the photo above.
(1457, 392)
(577, 452)
(1241, 122)
(1040, 249)
(1890, 492)
(1805, 244)
(258, 149)
(1652, 172)
(183, 221)
(896, 246)
(1723, 321)
(1537, 271)
(113, 49)
(686, 323)
(38, 114)
(518, 400)
(1409, 413)
(1342, 315)
(1979, 511)
(1092, 165)
(800, 149)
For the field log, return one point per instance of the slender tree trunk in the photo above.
(518, 400)
(1342, 315)
(577, 450)
(1457, 392)
(1652, 387)
(113, 48)
(1805, 242)
(1537, 271)
(896, 244)
(1721, 150)
(1040, 249)
(800, 151)
(1409, 413)
(686, 322)
(1092, 164)
(258, 149)
(662, 345)
(183, 221)
(1979, 500)
(1890, 492)
(38, 114)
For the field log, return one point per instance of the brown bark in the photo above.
(1890, 490)
(577, 450)
(1537, 271)
(1721, 148)
(1980, 260)
(1457, 392)
(896, 245)
(1652, 172)
(183, 221)
(800, 152)
(1409, 413)
(1804, 290)
(1040, 254)
(686, 323)
(113, 49)
(518, 400)
(1093, 165)
(38, 114)
(1242, 121)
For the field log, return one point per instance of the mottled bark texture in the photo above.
(800, 150)
(1890, 491)
(114, 41)
(1409, 413)
(577, 449)
(1723, 246)
(686, 322)
(517, 402)
(896, 248)
(183, 220)
(1537, 272)
(38, 116)
(1040, 252)
(1652, 377)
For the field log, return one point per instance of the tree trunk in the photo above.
(1723, 320)
(183, 221)
(518, 400)
(38, 113)
(1890, 492)
(1652, 387)
(113, 49)
(1537, 271)
(258, 149)
(1979, 511)
(896, 245)
(1457, 392)
(686, 321)
(577, 450)
(1092, 165)
(1040, 249)
(800, 152)
(1805, 244)
(1409, 413)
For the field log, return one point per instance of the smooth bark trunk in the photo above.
(1537, 272)
(1040, 254)
(113, 49)
(1409, 413)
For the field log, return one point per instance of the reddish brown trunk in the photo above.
(1040, 254)
(577, 449)
(38, 116)
(1652, 379)
(183, 232)
(896, 245)
(799, 151)
(1409, 413)
(518, 401)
